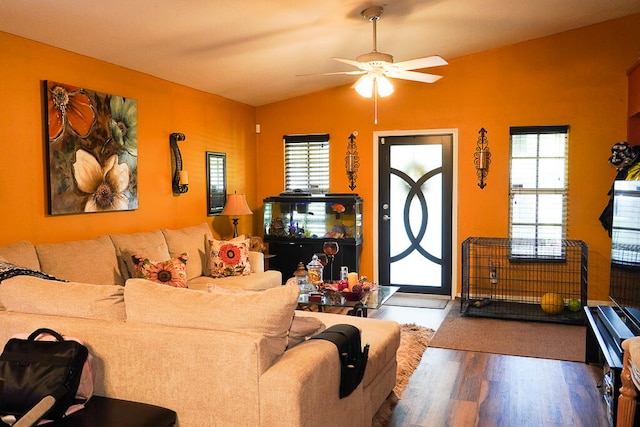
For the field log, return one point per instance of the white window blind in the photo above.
(306, 162)
(538, 190)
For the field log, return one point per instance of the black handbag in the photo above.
(34, 369)
(353, 359)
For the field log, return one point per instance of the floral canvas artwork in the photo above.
(92, 141)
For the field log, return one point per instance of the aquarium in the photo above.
(332, 216)
(297, 226)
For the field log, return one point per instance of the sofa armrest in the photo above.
(256, 259)
(305, 375)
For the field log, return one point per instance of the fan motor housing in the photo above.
(373, 12)
(375, 57)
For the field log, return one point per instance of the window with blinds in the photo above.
(306, 163)
(538, 191)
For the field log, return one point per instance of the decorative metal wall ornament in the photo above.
(352, 160)
(180, 181)
(482, 158)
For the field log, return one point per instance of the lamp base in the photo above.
(235, 226)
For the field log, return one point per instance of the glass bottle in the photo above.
(315, 271)
(302, 278)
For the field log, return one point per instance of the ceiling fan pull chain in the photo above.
(375, 102)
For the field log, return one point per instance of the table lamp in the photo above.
(235, 206)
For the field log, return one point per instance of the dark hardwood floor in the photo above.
(462, 388)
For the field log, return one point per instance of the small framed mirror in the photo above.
(216, 182)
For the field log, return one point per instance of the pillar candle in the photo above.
(352, 278)
(350, 163)
(184, 177)
(482, 160)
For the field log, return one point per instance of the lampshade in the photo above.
(385, 88)
(365, 85)
(236, 205)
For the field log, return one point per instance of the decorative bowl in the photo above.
(333, 296)
(353, 296)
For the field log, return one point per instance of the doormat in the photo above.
(413, 300)
(511, 337)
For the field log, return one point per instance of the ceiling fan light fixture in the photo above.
(366, 84)
(376, 68)
(385, 88)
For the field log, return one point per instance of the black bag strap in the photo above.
(45, 331)
(351, 334)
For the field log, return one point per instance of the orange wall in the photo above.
(210, 123)
(576, 78)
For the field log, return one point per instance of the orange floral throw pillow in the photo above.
(172, 272)
(229, 258)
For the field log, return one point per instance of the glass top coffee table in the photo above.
(372, 300)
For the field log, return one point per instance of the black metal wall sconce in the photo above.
(180, 181)
(482, 158)
(352, 160)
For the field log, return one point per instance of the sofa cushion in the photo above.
(85, 261)
(256, 261)
(268, 313)
(229, 258)
(218, 289)
(25, 294)
(22, 253)
(303, 328)
(172, 272)
(9, 270)
(150, 244)
(193, 241)
(207, 246)
(252, 282)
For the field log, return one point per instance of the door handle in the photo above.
(386, 217)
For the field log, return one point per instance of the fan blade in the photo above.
(349, 73)
(415, 64)
(414, 76)
(362, 65)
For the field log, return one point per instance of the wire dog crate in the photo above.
(524, 279)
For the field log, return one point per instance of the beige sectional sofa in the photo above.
(216, 358)
(106, 260)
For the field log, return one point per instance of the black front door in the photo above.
(415, 208)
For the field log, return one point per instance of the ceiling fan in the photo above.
(376, 67)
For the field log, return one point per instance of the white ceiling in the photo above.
(252, 50)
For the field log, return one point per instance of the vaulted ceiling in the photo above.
(252, 51)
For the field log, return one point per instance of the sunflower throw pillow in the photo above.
(229, 258)
(172, 272)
